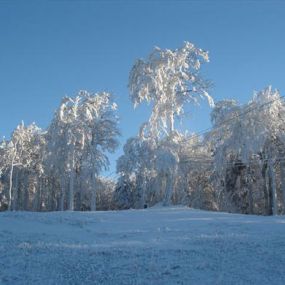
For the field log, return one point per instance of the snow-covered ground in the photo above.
(174, 245)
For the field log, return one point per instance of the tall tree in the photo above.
(169, 79)
(243, 133)
(21, 152)
(83, 130)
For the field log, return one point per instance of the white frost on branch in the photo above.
(169, 79)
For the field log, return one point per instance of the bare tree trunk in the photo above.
(93, 192)
(15, 191)
(269, 192)
(26, 192)
(44, 186)
(142, 192)
(168, 190)
(272, 192)
(231, 178)
(249, 187)
(71, 191)
(52, 201)
(82, 204)
(266, 190)
(10, 185)
(282, 177)
(140, 201)
(71, 183)
(79, 194)
(62, 193)
(39, 198)
(250, 199)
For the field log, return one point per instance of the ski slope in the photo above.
(174, 245)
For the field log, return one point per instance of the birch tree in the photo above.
(169, 79)
(83, 130)
(21, 153)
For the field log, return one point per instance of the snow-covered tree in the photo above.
(240, 138)
(83, 130)
(105, 193)
(169, 79)
(194, 177)
(137, 161)
(21, 153)
(166, 165)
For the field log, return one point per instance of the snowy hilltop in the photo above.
(169, 245)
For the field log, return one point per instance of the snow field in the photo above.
(173, 245)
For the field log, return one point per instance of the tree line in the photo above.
(237, 166)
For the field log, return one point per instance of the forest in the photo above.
(237, 165)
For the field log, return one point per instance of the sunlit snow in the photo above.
(174, 245)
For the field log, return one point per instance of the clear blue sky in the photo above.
(49, 49)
